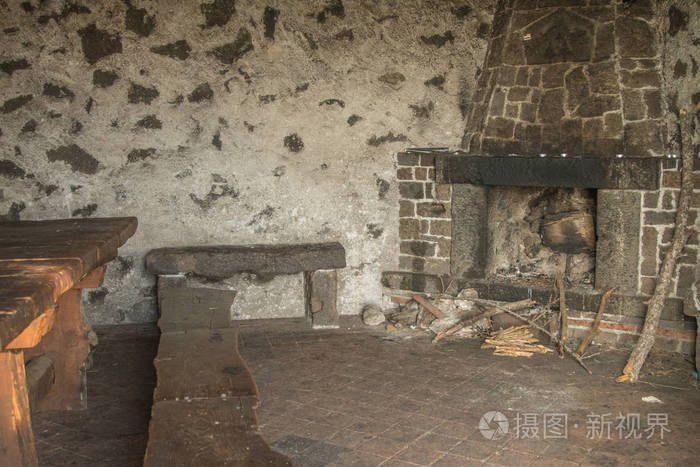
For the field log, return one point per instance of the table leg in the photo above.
(68, 346)
(16, 437)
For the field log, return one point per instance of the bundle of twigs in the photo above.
(516, 341)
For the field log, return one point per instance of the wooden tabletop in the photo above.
(40, 260)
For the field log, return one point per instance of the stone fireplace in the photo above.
(565, 132)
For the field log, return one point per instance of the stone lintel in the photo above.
(222, 261)
(627, 173)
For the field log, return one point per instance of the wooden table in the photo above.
(43, 267)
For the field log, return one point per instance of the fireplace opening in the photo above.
(533, 232)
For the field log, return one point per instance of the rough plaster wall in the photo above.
(229, 123)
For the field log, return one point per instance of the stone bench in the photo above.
(317, 261)
(204, 403)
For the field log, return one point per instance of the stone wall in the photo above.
(580, 78)
(229, 122)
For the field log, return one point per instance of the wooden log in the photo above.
(595, 329)
(425, 303)
(41, 375)
(570, 232)
(680, 236)
(16, 437)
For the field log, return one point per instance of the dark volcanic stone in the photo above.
(596, 106)
(270, 21)
(10, 105)
(436, 81)
(217, 13)
(346, 34)
(438, 40)
(388, 138)
(337, 102)
(98, 43)
(392, 79)
(201, 93)
(29, 127)
(643, 137)
(11, 66)
(76, 157)
(85, 211)
(140, 154)
(9, 169)
(104, 78)
(229, 53)
(150, 122)
(354, 118)
(69, 8)
(59, 92)
(678, 20)
(293, 142)
(216, 140)
(551, 107)
(226, 260)
(139, 94)
(462, 11)
(680, 69)
(635, 37)
(139, 21)
(559, 37)
(178, 49)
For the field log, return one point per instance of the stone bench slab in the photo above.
(223, 261)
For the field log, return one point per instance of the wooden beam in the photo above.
(16, 437)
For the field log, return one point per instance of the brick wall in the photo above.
(659, 214)
(425, 226)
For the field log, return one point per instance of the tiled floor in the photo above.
(113, 430)
(364, 398)
(360, 398)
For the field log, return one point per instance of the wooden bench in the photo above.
(317, 261)
(43, 267)
(204, 403)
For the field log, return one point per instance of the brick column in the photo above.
(425, 224)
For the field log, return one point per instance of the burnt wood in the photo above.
(570, 232)
(627, 173)
(41, 260)
(222, 261)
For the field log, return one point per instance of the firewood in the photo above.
(562, 312)
(680, 236)
(571, 232)
(595, 329)
(429, 306)
(486, 314)
(516, 341)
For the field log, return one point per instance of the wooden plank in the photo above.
(123, 227)
(32, 334)
(571, 232)
(201, 363)
(16, 437)
(207, 432)
(93, 279)
(41, 375)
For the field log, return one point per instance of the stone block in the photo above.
(641, 79)
(596, 106)
(222, 261)
(443, 228)
(409, 229)
(320, 290)
(617, 248)
(440, 210)
(194, 308)
(644, 138)
(635, 37)
(404, 173)
(603, 78)
(500, 128)
(469, 236)
(633, 106)
(406, 208)
(418, 248)
(411, 190)
(411, 263)
(551, 108)
(497, 103)
(407, 158)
